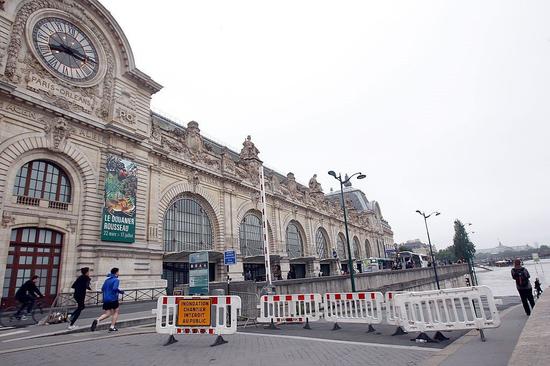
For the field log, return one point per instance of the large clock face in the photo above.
(65, 49)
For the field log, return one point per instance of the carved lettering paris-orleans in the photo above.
(39, 83)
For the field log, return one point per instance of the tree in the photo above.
(463, 247)
(403, 248)
(446, 254)
(544, 247)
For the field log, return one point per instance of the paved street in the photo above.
(291, 345)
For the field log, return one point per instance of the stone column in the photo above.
(285, 267)
(236, 271)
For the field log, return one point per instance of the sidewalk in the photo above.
(496, 351)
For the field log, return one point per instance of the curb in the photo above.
(104, 326)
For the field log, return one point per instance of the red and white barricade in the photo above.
(214, 315)
(392, 313)
(448, 309)
(354, 307)
(290, 308)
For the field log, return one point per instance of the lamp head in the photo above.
(331, 172)
(437, 213)
(361, 176)
(419, 212)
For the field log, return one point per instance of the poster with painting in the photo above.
(119, 210)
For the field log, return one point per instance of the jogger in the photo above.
(110, 301)
(80, 286)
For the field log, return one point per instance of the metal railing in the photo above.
(249, 308)
(96, 297)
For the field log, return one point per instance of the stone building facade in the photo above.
(71, 101)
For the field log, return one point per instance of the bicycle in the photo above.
(8, 318)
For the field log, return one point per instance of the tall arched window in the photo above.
(341, 246)
(321, 244)
(294, 242)
(187, 227)
(40, 179)
(250, 236)
(368, 253)
(356, 253)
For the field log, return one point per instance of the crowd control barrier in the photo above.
(187, 315)
(290, 308)
(392, 312)
(449, 309)
(354, 307)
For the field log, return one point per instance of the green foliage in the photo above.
(446, 254)
(403, 248)
(544, 247)
(463, 247)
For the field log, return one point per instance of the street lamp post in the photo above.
(471, 262)
(430, 243)
(342, 182)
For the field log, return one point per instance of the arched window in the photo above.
(250, 236)
(367, 249)
(33, 251)
(187, 227)
(356, 253)
(41, 179)
(294, 242)
(341, 247)
(321, 244)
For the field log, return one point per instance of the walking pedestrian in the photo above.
(80, 286)
(110, 301)
(521, 275)
(538, 289)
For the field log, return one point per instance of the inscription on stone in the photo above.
(40, 83)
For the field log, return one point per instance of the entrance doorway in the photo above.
(299, 270)
(325, 269)
(32, 251)
(257, 271)
(176, 274)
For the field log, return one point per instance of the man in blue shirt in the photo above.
(110, 300)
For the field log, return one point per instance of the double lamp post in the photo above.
(342, 182)
(434, 265)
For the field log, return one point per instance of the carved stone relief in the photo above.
(58, 130)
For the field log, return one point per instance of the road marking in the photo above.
(13, 333)
(36, 346)
(381, 345)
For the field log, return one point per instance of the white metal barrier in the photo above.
(354, 307)
(392, 313)
(290, 308)
(449, 309)
(214, 315)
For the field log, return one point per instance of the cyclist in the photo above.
(27, 295)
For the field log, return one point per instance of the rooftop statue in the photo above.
(249, 150)
(315, 186)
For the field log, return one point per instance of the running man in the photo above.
(110, 300)
(80, 286)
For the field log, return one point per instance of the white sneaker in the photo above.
(24, 317)
(72, 327)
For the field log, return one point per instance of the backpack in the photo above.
(521, 278)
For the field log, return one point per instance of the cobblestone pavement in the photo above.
(242, 349)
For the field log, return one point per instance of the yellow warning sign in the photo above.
(194, 312)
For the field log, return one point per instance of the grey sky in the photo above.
(443, 104)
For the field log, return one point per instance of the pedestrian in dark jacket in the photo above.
(521, 275)
(110, 300)
(27, 294)
(80, 286)
(538, 289)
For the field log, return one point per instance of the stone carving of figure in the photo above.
(249, 150)
(227, 162)
(291, 185)
(193, 140)
(315, 186)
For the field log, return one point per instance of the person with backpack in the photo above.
(538, 289)
(521, 275)
(110, 300)
(80, 286)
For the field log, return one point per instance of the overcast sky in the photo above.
(444, 105)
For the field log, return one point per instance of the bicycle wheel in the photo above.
(7, 317)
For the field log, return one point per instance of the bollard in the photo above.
(336, 327)
(307, 324)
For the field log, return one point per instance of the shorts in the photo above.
(111, 305)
